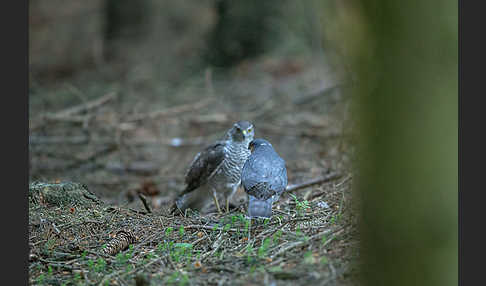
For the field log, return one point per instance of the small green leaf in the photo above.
(168, 231)
(227, 227)
(323, 239)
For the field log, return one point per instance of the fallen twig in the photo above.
(208, 227)
(349, 177)
(318, 92)
(94, 156)
(169, 111)
(55, 263)
(327, 178)
(144, 201)
(86, 106)
(216, 245)
(304, 242)
(69, 114)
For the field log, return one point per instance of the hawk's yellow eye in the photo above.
(249, 130)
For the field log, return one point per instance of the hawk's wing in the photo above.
(203, 166)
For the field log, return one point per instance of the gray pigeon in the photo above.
(216, 170)
(264, 178)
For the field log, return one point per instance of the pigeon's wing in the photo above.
(261, 191)
(203, 166)
(277, 176)
(250, 175)
(280, 175)
(256, 176)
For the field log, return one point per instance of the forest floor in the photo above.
(130, 142)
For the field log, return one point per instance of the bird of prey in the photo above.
(264, 178)
(217, 169)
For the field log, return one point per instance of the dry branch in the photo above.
(92, 157)
(304, 242)
(85, 106)
(327, 178)
(208, 227)
(70, 114)
(314, 94)
(144, 201)
(170, 111)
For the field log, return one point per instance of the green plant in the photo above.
(83, 255)
(298, 232)
(233, 219)
(77, 277)
(121, 258)
(323, 239)
(173, 277)
(181, 231)
(324, 260)
(184, 279)
(124, 257)
(309, 258)
(334, 219)
(301, 206)
(168, 231)
(100, 265)
(262, 250)
(247, 225)
(227, 227)
(90, 264)
(276, 236)
(41, 278)
(252, 269)
(266, 222)
(182, 250)
(150, 256)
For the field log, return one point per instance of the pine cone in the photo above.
(121, 241)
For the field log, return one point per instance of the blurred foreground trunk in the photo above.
(408, 178)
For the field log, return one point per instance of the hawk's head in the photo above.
(242, 131)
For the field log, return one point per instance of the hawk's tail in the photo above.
(259, 208)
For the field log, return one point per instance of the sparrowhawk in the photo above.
(217, 169)
(264, 178)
